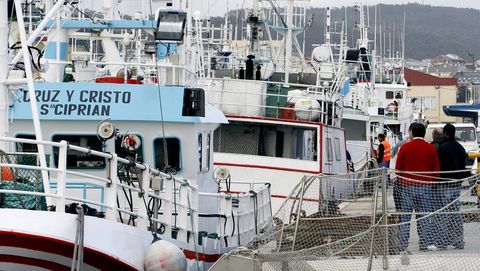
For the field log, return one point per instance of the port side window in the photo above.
(76, 159)
(200, 152)
(124, 153)
(399, 95)
(338, 150)
(25, 147)
(172, 152)
(207, 151)
(389, 94)
(329, 150)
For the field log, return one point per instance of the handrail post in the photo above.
(143, 219)
(182, 213)
(299, 208)
(61, 176)
(111, 189)
(168, 206)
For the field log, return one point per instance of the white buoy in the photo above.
(307, 109)
(165, 256)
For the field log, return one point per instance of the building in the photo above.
(469, 87)
(446, 66)
(430, 93)
(449, 59)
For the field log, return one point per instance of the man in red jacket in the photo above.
(416, 191)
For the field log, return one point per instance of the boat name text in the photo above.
(78, 102)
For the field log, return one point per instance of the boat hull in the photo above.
(37, 240)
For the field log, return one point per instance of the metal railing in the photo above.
(255, 100)
(179, 198)
(367, 230)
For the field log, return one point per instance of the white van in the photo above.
(465, 133)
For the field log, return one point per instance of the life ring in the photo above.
(392, 107)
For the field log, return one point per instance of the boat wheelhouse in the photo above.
(135, 154)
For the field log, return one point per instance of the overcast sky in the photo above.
(218, 7)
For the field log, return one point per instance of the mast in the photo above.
(31, 91)
(288, 44)
(363, 41)
(4, 71)
(327, 26)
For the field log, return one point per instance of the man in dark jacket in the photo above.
(452, 157)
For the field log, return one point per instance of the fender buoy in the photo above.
(7, 174)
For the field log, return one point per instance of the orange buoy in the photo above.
(7, 174)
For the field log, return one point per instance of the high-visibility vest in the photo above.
(387, 151)
(7, 174)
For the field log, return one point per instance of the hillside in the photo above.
(430, 31)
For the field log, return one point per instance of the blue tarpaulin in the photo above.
(462, 110)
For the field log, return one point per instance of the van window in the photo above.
(173, 153)
(465, 134)
(462, 134)
(76, 159)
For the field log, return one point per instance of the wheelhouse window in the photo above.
(200, 152)
(172, 152)
(329, 150)
(25, 147)
(272, 140)
(208, 154)
(338, 149)
(79, 160)
(389, 94)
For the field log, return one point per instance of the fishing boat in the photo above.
(377, 101)
(284, 112)
(107, 145)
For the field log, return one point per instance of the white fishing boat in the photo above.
(284, 112)
(377, 101)
(152, 178)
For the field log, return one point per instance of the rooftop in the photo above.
(418, 78)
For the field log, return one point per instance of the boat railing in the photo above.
(250, 98)
(246, 214)
(160, 202)
(168, 74)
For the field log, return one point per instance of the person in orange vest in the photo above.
(384, 152)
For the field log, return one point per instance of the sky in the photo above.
(218, 7)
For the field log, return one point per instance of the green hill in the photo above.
(430, 31)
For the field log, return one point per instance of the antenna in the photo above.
(327, 27)
(403, 40)
(375, 31)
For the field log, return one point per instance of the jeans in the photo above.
(449, 227)
(397, 195)
(418, 198)
(384, 164)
